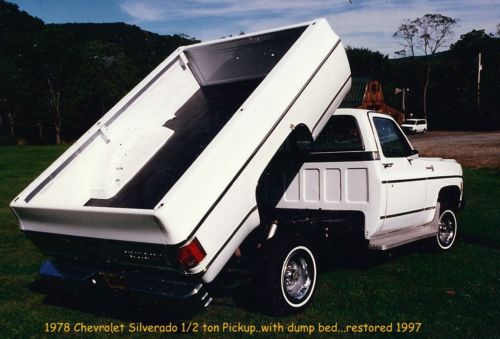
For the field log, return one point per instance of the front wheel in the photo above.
(288, 275)
(447, 230)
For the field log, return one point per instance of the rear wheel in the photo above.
(288, 275)
(298, 276)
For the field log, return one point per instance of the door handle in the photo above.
(431, 167)
(389, 164)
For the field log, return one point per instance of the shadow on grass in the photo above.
(115, 304)
(230, 290)
(357, 258)
(361, 258)
(474, 239)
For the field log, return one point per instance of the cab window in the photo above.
(341, 134)
(392, 140)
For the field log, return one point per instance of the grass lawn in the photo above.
(452, 294)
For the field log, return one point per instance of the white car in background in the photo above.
(415, 126)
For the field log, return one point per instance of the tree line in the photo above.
(56, 80)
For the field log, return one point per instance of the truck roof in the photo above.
(351, 111)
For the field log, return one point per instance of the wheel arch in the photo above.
(449, 196)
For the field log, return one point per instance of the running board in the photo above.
(404, 236)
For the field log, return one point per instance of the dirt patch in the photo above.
(471, 149)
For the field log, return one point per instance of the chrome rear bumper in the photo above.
(148, 285)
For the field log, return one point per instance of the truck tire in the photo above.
(447, 230)
(288, 274)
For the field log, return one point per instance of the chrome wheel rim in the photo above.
(447, 229)
(298, 276)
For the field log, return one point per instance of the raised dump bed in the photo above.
(179, 157)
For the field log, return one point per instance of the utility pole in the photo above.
(403, 98)
(11, 123)
(479, 69)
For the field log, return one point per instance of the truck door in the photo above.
(403, 175)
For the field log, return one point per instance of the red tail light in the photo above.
(191, 254)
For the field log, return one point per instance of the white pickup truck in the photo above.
(231, 149)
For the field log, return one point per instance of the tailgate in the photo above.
(120, 224)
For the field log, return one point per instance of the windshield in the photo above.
(410, 122)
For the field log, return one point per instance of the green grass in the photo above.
(453, 294)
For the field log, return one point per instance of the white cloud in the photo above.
(153, 10)
(365, 23)
(143, 11)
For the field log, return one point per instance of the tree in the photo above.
(464, 53)
(364, 62)
(428, 34)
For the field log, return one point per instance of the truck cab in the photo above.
(362, 162)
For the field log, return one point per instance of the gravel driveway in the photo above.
(471, 149)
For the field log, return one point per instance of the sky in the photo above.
(362, 23)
